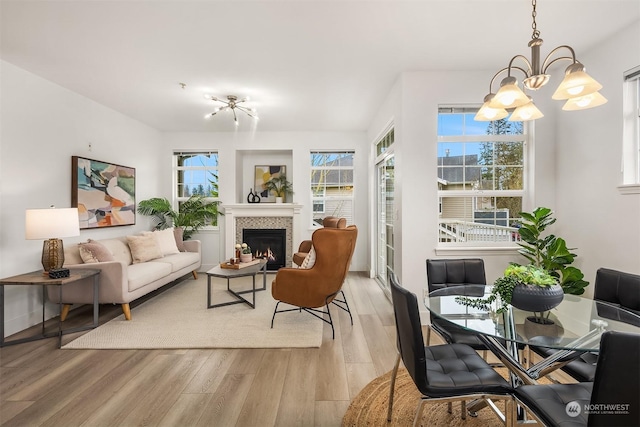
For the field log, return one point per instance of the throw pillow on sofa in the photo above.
(92, 252)
(144, 248)
(166, 241)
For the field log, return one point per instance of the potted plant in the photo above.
(245, 253)
(526, 287)
(549, 252)
(280, 186)
(191, 216)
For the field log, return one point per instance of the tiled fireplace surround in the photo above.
(261, 216)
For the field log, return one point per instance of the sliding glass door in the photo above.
(384, 220)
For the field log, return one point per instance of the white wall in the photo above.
(594, 216)
(240, 152)
(43, 125)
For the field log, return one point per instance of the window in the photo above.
(481, 178)
(631, 129)
(196, 173)
(332, 185)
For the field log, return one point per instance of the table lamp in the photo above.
(51, 224)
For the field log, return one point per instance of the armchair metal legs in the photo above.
(342, 304)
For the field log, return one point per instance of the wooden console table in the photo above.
(37, 278)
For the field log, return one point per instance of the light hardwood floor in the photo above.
(43, 386)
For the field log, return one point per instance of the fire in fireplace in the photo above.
(268, 244)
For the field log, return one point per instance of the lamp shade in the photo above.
(526, 112)
(509, 95)
(594, 99)
(487, 114)
(576, 83)
(51, 223)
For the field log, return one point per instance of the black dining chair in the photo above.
(612, 288)
(612, 399)
(442, 373)
(458, 276)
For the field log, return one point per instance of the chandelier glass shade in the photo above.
(578, 88)
(526, 112)
(232, 103)
(487, 113)
(594, 99)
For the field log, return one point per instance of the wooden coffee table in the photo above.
(227, 273)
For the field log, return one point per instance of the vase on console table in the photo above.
(246, 257)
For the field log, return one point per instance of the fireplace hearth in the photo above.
(269, 244)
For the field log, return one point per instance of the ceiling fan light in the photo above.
(585, 102)
(576, 83)
(526, 112)
(509, 95)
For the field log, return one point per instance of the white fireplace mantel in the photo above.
(233, 211)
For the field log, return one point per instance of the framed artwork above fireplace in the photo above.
(262, 175)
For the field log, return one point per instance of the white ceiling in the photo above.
(307, 65)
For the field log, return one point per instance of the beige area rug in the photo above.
(178, 318)
(369, 407)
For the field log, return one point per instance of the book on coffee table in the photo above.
(239, 265)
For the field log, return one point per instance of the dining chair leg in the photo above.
(450, 408)
(392, 387)
(419, 412)
(428, 334)
(511, 412)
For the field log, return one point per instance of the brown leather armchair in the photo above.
(305, 246)
(318, 286)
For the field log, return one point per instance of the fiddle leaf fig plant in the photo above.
(549, 252)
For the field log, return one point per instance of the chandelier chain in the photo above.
(536, 33)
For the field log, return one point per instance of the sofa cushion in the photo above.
(166, 241)
(92, 252)
(119, 248)
(179, 261)
(143, 248)
(141, 274)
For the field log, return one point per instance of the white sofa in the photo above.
(122, 281)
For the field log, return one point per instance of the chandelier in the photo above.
(231, 103)
(578, 88)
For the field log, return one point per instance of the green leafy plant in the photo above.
(191, 216)
(549, 252)
(246, 249)
(279, 185)
(504, 286)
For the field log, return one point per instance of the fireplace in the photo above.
(268, 243)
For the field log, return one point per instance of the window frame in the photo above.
(631, 133)
(329, 198)
(526, 138)
(176, 199)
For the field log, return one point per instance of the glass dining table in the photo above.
(572, 328)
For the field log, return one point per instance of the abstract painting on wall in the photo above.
(104, 193)
(262, 176)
